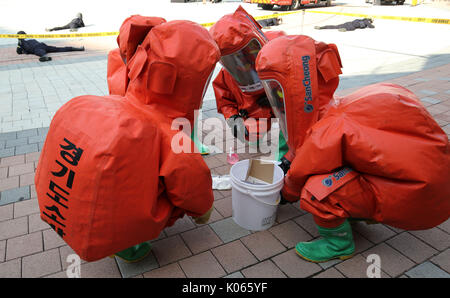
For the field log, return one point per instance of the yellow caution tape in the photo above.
(71, 35)
(408, 19)
(96, 34)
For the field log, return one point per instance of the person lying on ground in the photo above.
(73, 25)
(350, 26)
(32, 46)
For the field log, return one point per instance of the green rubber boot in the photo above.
(204, 150)
(282, 147)
(134, 253)
(336, 243)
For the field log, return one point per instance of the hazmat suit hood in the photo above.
(132, 32)
(300, 77)
(240, 38)
(171, 69)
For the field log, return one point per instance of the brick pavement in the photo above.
(29, 248)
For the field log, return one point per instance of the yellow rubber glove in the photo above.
(204, 218)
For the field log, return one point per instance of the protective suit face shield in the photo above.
(241, 65)
(275, 94)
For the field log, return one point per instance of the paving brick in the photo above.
(13, 228)
(41, 264)
(3, 173)
(328, 264)
(427, 270)
(289, 233)
(263, 244)
(27, 149)
(356, 267)
(228, 230)
(36, 139)
(8, 183)
(181, 225)
(15, 195)
(203, 265)
(26, 179)
(234, 275)
(104, 268)
(443, 260)
(12, 160)
(361, 243)
(24, 245)
(428, 92)
(294, 266)
(266, 269)
(430, 100)
(392, 262)
(434, 237)
(24, 208)
(7, 152)
(27, 133)
(17, 170)
(35, 223)
(133, 269)
(169, 250)
(375, 233)
(286, 212)
(16, 142)
(224, 207)
(201, 239)
(307, 223)
(330, 273)
(30, 157)
(6, 212)
(2, 250)
(11, 269)
(217, 195)
(169, 271)
(412, 247)
(43, 131)
(234, 256)
(212, 162)
(8, 136)
(52, 239)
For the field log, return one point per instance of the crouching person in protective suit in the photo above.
(240, 96)
(235, 33)
(110, 176)
(375, 154)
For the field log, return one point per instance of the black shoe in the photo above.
(80, 49)
(45, 58)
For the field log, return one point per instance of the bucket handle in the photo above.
(251, 194)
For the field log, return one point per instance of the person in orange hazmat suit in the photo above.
(111, 174)
(376, 154)
(240, 96)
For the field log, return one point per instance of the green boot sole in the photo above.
(135, 253)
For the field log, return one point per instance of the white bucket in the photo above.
(254, 206)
